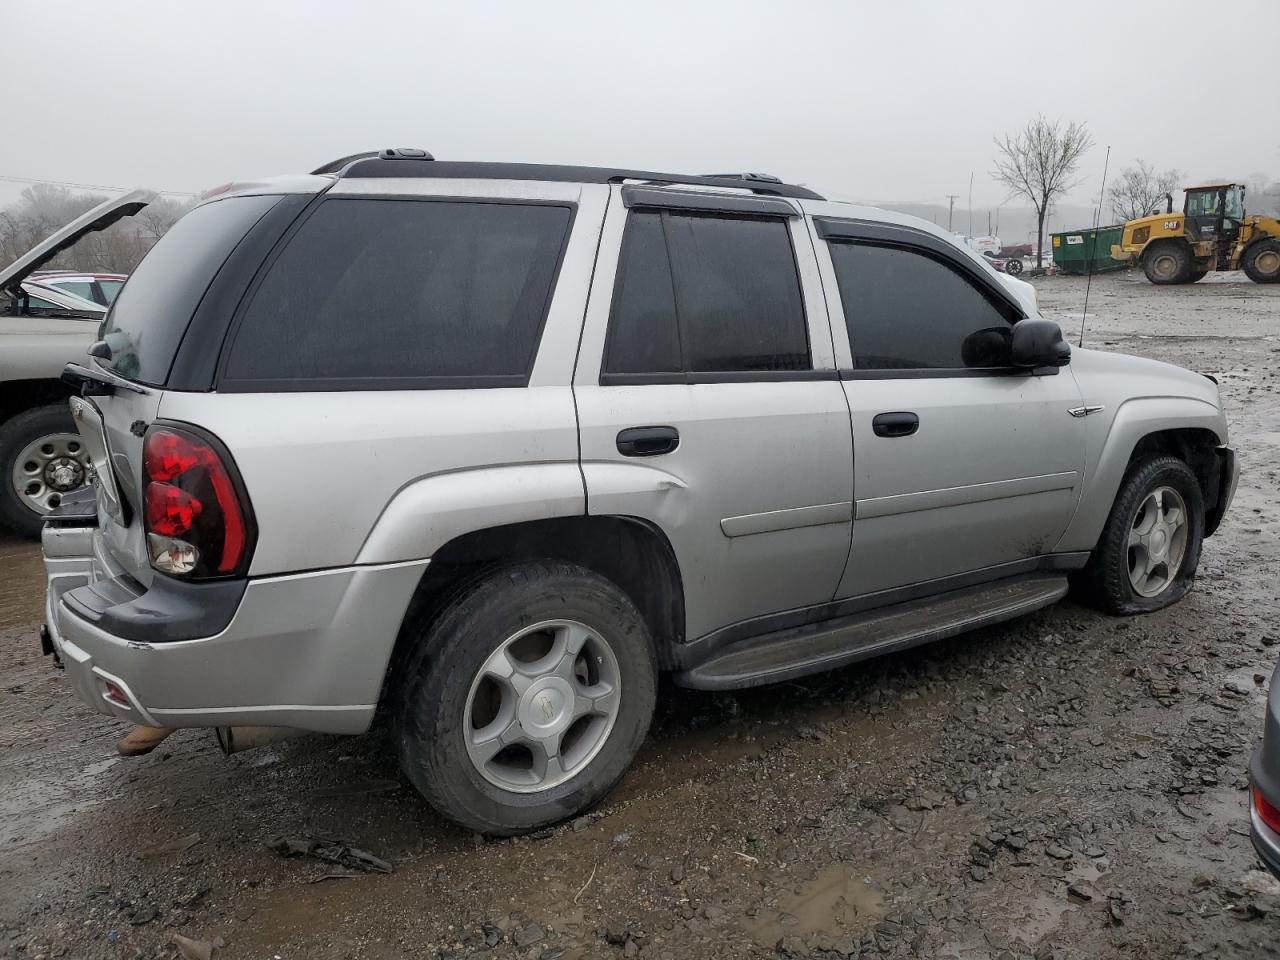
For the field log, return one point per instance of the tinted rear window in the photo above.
(403, 293)
(151, 312)
(702, 293)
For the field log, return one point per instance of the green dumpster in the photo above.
(1075, 250)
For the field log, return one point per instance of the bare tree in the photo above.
(1038, 163)
(43, 209)
(1262, 195)
(1140, 188)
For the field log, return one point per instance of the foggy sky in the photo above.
(880, 101)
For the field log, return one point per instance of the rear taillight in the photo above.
(1266, 811)
(197, 519)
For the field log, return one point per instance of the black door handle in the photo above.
(899, 424)
(647, 441)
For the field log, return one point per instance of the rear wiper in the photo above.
(96, 382)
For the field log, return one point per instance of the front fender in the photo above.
(426, 514)
(1110, 444)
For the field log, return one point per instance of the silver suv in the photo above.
(488, 446)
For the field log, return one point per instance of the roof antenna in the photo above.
(1093, 244)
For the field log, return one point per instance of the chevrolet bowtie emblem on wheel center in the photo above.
(548, 708)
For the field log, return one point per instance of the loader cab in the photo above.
(1214, 211)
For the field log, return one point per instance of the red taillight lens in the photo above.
(169, 455)
(170, 510)
(197, 522)
(1269, 814)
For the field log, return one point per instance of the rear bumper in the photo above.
(1264, 776)
(1266, 842)
(308, 650)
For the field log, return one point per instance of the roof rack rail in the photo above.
(758, 177)
(387, 153)
(335, 166)
(390, 163)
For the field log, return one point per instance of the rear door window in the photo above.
(704, 294)
(390, 293)
(644, 337)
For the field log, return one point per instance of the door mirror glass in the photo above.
(1038, 343)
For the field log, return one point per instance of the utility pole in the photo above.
(953, 197)
(971, 204)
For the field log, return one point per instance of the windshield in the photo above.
(1235, 203)
(1202, 203)
(151, 312)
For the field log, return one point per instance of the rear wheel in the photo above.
(1013, 266)
(527, 698)
(1197, 276)
(42, 458)
(1261, 261)
(1147, 556)
(1168, 262)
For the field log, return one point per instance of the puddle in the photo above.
(839, 899)
(34, 808)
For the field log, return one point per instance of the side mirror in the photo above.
(1038, 343)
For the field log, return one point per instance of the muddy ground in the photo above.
(1068, 785)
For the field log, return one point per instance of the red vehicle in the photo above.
(1018, 250)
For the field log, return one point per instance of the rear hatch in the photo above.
(143, 332)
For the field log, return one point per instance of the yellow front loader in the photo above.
(1211, 233)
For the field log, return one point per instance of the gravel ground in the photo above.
(1067, 785)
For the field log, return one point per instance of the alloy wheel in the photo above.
(1157, 541)
(542, 705)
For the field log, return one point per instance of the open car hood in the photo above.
(99, 218)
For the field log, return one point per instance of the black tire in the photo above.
(1105, 582)
(1168, 262)
(15, 434)
(1197, 276)
(1261, 261)
(436, 682)
(1013, 267)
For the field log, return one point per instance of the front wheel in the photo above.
(1147, 556)
(1261, 262)
(1013, 267)
(42, 458)
(527, 698)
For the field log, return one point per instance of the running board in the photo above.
(816, 647)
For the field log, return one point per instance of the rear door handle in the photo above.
(647, 441)
(898, 424)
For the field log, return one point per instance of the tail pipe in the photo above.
(238, 739)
